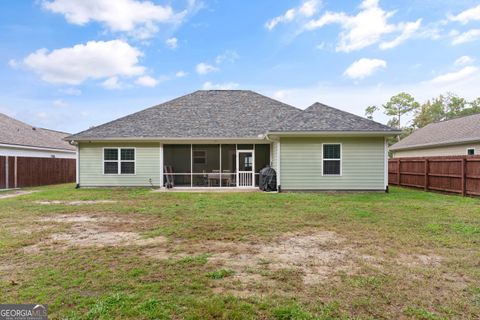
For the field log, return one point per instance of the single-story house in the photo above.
(31, 156)
(222, 138)
(455, 137)
(23, 140)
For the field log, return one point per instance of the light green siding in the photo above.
(363, 164)
(147, 165)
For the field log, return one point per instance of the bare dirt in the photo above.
(94, 231)
(76, 203)
(16, 193)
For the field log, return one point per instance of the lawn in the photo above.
(134, 253)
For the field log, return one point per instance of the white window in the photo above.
(119, 161)
(470, 151)
(332, 159)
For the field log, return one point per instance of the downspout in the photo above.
(77, 164)
(279, 187)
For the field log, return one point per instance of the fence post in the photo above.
(464, 180)
(398, 172)
(426, 175)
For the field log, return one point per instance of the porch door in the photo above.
(245, 168)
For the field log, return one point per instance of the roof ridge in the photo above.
(347, 112)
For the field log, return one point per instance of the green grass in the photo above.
(124, 281)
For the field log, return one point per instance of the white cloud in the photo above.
(466, 16)
(408, 30)
(147, 81)
(112, 83)
(204, 68)
(228, 55)
(181, 74)
(464, 60)
(307, 9)
(138, 18)
(456, 76)
(93, 60)
(71, 91)
(172, 43)
(364, 67)
(468, 36)
(13, 63)
(60, 103)
(366, 28)
(220, 86)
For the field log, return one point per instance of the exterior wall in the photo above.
(363, 164)
(274, 155)
(452, 150)
(35, 153)
(147, 166)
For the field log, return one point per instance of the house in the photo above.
(455, 137)
(23, 140)
(31, 156)
(222, 138)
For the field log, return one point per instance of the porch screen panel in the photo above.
(262, 159)
(229, 158)
(206, 165)
(178, 158)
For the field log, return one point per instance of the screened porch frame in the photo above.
(191, 174)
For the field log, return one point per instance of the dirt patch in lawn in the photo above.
(76, 203)
(16, 193)
(95, 231)
(419, 260)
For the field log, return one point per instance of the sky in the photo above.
(72, 64)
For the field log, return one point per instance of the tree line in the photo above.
(403, 105)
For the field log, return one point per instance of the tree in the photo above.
(399, 106)
(369, 111)
(441, 108)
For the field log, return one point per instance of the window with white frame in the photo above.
(470, 151)
(332, 159)
(119, 161)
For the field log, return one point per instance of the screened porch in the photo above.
(214, 165)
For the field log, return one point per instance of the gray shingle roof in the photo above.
(15, 132)
(224, 114)
(464, 129)
(320, 117)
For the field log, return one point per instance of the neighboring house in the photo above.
(22, 140)
(222, 138)
(455, 137)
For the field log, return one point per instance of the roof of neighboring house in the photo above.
(460, 130)
(14, 132)
(225, 114)
(320, 117)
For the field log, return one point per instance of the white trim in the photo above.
(161, 165)
(336, 159)
(385, 163)
(77, 165)
(17, 146)
(471, 148)
(119, 161)
(278, 163)
(204, 156)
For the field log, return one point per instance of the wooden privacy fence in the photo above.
(457, 174)
(18, 172)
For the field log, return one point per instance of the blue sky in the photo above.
(71, 64)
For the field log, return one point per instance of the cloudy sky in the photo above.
(72, 64)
